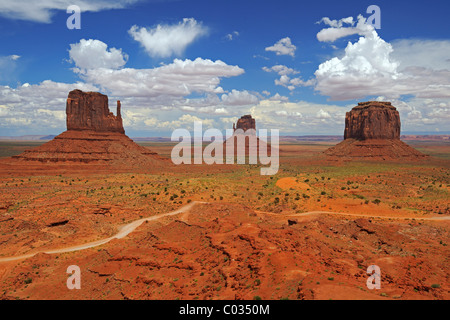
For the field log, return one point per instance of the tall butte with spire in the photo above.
(94, 135)
(89, 111)
(372, 132)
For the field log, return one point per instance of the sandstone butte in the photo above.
(94, 135)
(372, 132)
(246, 123)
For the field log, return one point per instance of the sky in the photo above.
(295, 66)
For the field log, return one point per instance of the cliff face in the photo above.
(94, 136)
(372, 120)
(372, 132)
(89, 111)
(245, 123)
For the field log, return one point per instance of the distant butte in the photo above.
(372, 132)
(94, 135)
(245, 123)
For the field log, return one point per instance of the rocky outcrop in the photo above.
(89, 111)
(245, 123)
(372, 132)
(94, 135)
(372, 120)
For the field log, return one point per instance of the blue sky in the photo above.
(175, 62)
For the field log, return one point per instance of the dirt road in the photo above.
(127, 229)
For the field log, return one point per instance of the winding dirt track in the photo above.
(356, 215)
(127, 229)
(123, 232)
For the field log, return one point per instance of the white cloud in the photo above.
(336, 23)
(36, 108)
(168, 40)
(185, 121)
(337, 30)
(301, 117)
(94, 54)
(43, 10)
(285, 80)
(323, 114)
(430, 54)
(232, 35)
(278, 97)
(370, 67)
(283, 47)
(239, 98)
(281, 70)
(178, 79)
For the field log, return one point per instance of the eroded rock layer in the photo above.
(372, 132)
(246, 142)
(94, 135)
(89, 111)
(88, 146)
(374, 149)
(372, 120)
(245, 123)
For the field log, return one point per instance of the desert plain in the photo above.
(226, 232)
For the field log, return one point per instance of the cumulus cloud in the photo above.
(283, 47)
(43, 10)
(285, 80)
(239, 98)
(162, 93)
(281, 70)
(38, 107)
(365, 67)
(185, 121)
(372, 67)
(300, 117)
(94, 54)
(168, 40)
(337, 29)
(178, 79)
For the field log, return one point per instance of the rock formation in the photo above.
(89, 111)
(245, 123)
(372, 131)
(372, 120)
(94, 135)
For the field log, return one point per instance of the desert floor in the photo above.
(309, 232)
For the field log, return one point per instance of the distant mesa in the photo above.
(245, 123)
(372, 120)
(242, 127)
(94, 135)
(372, 132)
